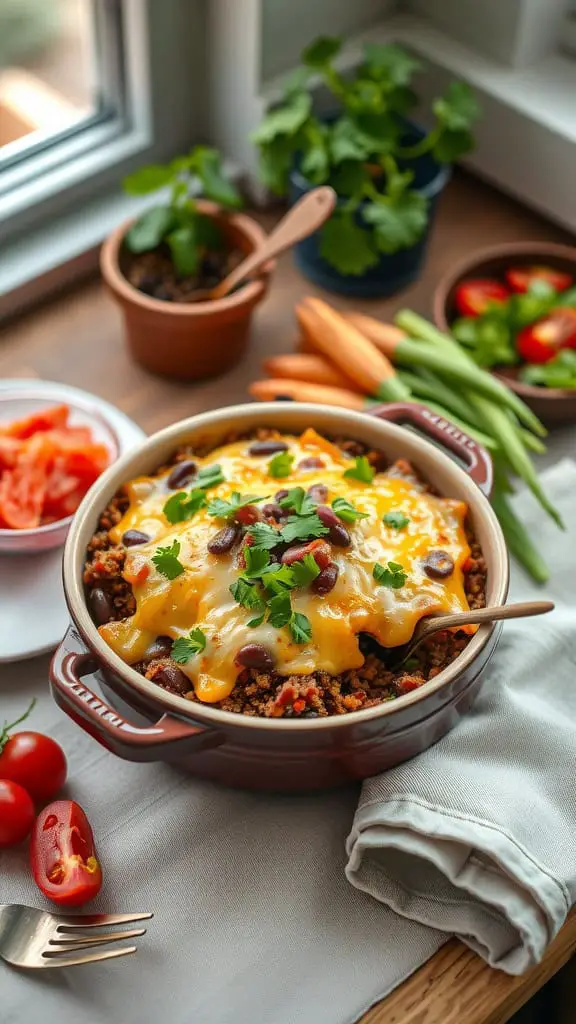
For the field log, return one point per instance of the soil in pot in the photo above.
(153, 273)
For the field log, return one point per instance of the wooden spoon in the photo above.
(306, 216)
(432, 623)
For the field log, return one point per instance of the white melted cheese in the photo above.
(201, 597)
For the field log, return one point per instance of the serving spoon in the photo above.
(433, 623)
(306, 216)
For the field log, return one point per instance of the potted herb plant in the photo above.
(388, 172)
(156, 265)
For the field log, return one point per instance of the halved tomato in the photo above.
(473, 297)
(541, 342)
(520, 278)
(46, 419)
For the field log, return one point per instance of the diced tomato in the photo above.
(473, 297)
(47, 419)
(520, 278)
(541, 342)
(23, 488)
(10, 449)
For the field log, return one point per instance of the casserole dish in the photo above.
(140, 721)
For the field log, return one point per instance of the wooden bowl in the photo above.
(554, 406)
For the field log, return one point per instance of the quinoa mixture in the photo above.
(264, 692)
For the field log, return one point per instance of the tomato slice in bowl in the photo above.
(521, 278)
(473, 297)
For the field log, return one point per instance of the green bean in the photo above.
(518, 539)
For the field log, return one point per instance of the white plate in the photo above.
(33, 613)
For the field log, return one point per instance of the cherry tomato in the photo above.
(541, 342)
(16, 813)
(473, 297)
(520, 278)
(63, 856)
(36, 762)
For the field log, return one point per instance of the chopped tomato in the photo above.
(62, 854)
(473, 297)
(46, 419)
(541, 342)
(22, 489)
(520, 278)
(10, 448)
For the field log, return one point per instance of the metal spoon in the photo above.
(306, 216)
(433, 623)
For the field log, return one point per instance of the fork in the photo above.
(36, 938)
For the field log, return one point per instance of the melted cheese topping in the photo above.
(200, 597)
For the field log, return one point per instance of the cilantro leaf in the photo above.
(305, 571)
(209, 476)
(278, 578)
(283, 120)
(346, 511)
(300, 628)
(346, 246)
(207, 163)
(458, 108)
(450, 145)
(395, 519)
(167, 562)
(279, 610)
(299, 501)
(349, 142)
(264, 536)
(276, 162)
(184, 505)
(315, 160)
(321, 51)
(361, 470)
(247, 594)
(256, 560)
(398, 221)
(302, 528)
(391, 61)
(185, 647)
(281, 465)
(257, 621)
(228, 509)
(392, 575)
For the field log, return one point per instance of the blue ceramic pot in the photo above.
(392, 272)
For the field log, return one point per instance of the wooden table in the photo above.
(77, 339)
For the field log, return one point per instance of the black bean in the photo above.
(133, 537)
(181, 474)
(274, 511)
(326, 579)
(255, 656)
(225, 539)
(327, 516)
(318, 492)
(161, 648)
(267, 447)
(101, 606)
(172, 678)
(339, 535)
(438, 565)
(281, 494)
(312, 462)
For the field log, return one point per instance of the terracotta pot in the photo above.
(187, 340)
(554, 406)
(267, 753)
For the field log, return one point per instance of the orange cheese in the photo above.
(200, 597)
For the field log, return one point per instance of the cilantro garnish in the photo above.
(185, 647)
(166, 561)
(184, 505)
(228, 509)
(300, 628)
(346, 511)
(361, 470)
(305, 571)
(264, 536)
(247, 594)
(256, 561)
(278, 578)
(209, 476)
(396, 519)
(302, 528)
(298, 501)
(391, 575)
(281, 465)
(279, 610)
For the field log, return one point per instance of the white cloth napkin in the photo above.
(477, 836)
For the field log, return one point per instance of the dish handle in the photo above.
(475, 458)
(164, 740)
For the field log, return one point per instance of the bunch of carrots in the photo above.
(352, 360)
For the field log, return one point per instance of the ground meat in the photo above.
(267, 694)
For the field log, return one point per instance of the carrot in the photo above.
(384, 336)
(300, 391)
(353, 353)
(311, 368)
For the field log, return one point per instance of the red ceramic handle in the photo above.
(166, 739)
(475, 458)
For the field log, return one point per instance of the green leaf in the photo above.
(346, 246)
(207, 163)
(380, 131)
(256, 560)
(296, 81)
(279, 610)
(398, 222)
(305, 571)
(184, 505)
(167, 562)
(402, 100)
(208, 233)
(350, 179)
(283, 120)
(396, 519)
(276, 160)
(184, 250)
(392, 575)
(185, 647)
(147, 179)
(348, 142)
(227, 509)
(281, 465)
(393, 62)
(321, 51)
(247, 595)
(257, 621)
(452, 145)
(458, 108)
(299, 501)
(210, 476)
(303, 528)
(560, 372)
(346, 511)
(300, 628)
(361, 470)
(494, 343)
(264, 536)
(149, 230)
(465, 330)
(315, 159)
(278, 577)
